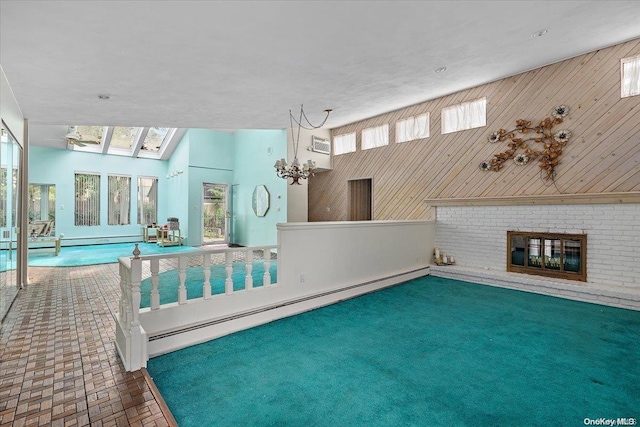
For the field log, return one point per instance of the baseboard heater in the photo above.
(285, 304)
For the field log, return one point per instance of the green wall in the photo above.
(256, 152)
(210, 160)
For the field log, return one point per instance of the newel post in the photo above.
(131, 338)
(138, 335)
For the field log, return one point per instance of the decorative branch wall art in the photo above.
(524, 137)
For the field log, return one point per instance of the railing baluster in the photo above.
(228, 283)
(154, 266)
(182, 275)
(206, 286)
(266, 258)
(124, 296)
(248, 265)
(136, 278)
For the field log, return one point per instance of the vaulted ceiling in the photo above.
(235, 65)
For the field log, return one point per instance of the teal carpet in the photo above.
(430, 352)
(168, 286)
(71, 256)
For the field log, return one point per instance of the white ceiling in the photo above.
(244, 64)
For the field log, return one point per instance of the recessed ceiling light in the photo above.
(539, 33)
(440, 70)
(103, 97)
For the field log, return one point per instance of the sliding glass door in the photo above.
(10, 175)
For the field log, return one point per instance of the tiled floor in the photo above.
(59, 365)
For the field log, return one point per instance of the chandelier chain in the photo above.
(304, 115)
(296, 171)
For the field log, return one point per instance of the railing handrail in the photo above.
(201, 251)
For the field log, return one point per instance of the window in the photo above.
(119, 200)
(147, 200)
(412, 128)
(467, 115)
(630, 76)
(156, 137)
(42, 204)
(125, 141)
(90, 134)
(124, 137)
(375, 137)
(87, 208)
(345, 143)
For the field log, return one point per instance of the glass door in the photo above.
(214, 214)
(231, 217)
(10, 155)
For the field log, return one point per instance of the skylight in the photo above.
(124, 137)
(147, 142)
(155, 138)
(91, 134)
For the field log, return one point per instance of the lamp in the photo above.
(296, 171)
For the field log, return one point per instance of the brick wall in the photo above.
(477, 236)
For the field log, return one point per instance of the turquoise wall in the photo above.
(210, 158)
(240, 160)
(178, 188)
(58, 167)
(256, 152)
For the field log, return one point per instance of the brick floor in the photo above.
(59, 365)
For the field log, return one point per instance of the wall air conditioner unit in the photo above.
(320, 145)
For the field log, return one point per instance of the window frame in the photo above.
(463, 107)
(623, 61)
(414, 119)
(350, 135)
(116, 208)
(370, 134)
(94, 217)
(140, 203)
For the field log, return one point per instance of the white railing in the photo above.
(227, 258)
(317, 264)
(132, 331)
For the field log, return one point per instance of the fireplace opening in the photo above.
(548, 254)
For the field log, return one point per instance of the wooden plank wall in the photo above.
(602, 156)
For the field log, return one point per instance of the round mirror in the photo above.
(260, 200)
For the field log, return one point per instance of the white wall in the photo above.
(298, 195)
(319, 254)
(477, 236)
(318, 264)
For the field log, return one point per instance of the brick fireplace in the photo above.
(477, 236)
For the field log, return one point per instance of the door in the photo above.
(360, 200)
(214, 214)
(10, 176)
(233, 211)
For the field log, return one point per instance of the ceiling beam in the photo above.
(106, 141)
(137, 145)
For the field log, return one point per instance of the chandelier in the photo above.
(295, 171)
